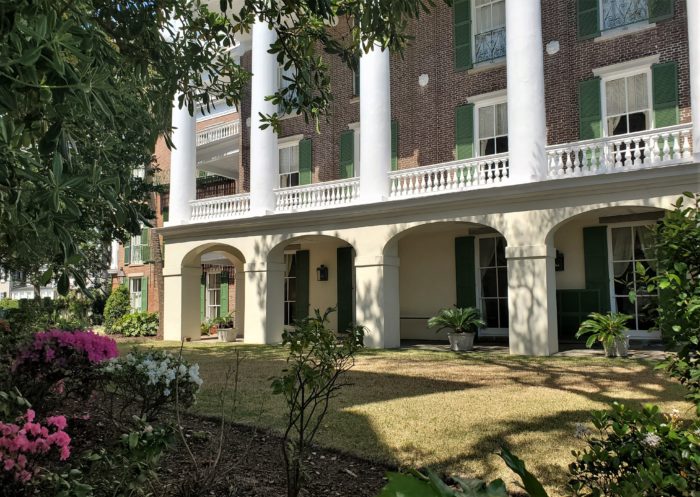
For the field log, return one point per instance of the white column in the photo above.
(375, 125)
(183, 180)
(114, 257)
(693, 12)
(264, 318)
(264, 155)
(377, 300)
(181, 307)
(527, 132)
(532, 302)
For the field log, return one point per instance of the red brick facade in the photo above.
(425, 115)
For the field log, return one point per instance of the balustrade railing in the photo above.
(619, 13)
(318, 195)
(490, 45)
(449, 177)
(218, 132)
(212, 209)
(644, 149)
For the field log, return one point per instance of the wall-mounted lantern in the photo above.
(322, 273)
(559, 261)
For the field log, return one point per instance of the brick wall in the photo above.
(426, 115)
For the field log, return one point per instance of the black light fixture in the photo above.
(559, 261)
(322, 273)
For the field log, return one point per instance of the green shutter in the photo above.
(223, 294)
(356, 81)
(596, 268)
(394, 145)
(660, 10)
(144, 294)
(588, 19)
(465, 271)
(345, 288)
(165, 213)
(347, 154)
(145, 245)
(462, 19)
(464, 131)
(127, 252)
(305, 161)
(665, 90)
(302, 284)
(202, 297)
(590, 114)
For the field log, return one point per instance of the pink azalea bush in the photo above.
(25, 443)
(57, 345)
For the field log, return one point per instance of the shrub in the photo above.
(145, 382)
(117, 306)
(458, 320)
(137, 324)
(638, 453)
(59, 363)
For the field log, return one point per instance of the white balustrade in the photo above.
(212, 209)
(449, 177)
(658, 147)
(218, 132)
(318, 195)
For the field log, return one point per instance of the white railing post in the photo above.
(693, 14)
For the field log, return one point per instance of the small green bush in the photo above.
(137, 324)
(117, 306)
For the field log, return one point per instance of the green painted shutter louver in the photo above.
(664, 79)
(202, 297)
(464, 131)
(347, 154)
(127, 253)
(595, 258)
(462, 19)
(465, 271)
(590, 114)
(588, 18)
(345, 287)
(305, 161)
(223, 294)
(394, 145)
(660, 10)
(302, 284)
(145, 244)
(144, 294)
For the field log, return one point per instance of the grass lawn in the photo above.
(449, 411)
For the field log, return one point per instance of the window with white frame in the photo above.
(620, 13)
(213, 295)
(627, 103)
(355, 127)
(136, 250)
(285, 80)
(135, 293)
(632, 245)
(492, 126)
(290, 288)
(289, 164)
(493, 281)
(489, 30)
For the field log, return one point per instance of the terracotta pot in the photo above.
(461, 342)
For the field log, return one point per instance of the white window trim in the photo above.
(132, 293)
(289, 141)
(481, 101)
(486, 332)
(207, 289)
(606, 34)
(625, 73)
(634, 334)
(474, 34)
(355, 128)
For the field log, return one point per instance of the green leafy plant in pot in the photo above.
(226, 331)
(463, 323)
(608, 329)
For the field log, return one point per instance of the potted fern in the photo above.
(226, 331)
(608, 329)
(463, 323)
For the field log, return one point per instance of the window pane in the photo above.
(486, 122)
(637, 93)
(503, 312)
(501, 144)
(490, 307)
(637, 122)
(501, 119)
(647, 308)
(499, 14)
(502, 282)
(615, 96)
(487, 147)
(617, 125)
(500, 251)
(624, 274)
(487, 252)
(622, 243)
(488, 283)
(626, 307)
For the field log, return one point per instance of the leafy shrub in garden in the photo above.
(144, 383)
(118, 305)
(137, 324)
(59, 363)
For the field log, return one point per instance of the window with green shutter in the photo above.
(462, 23)
(202, 297)
(464, 131)
(347, 154)
(465, 271)
(144, 294)
(305, 162)
(345, 288)
(145, 245)
(223, 294)
(660, 10)
(665, 94)
(127, 253)
(394, 145)
(590, 115)
(587, 13)
(596, 264)
(302, 285)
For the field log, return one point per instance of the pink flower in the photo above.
(9, 464)
(57, 421)
(30, 415)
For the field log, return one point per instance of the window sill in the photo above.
(624, 31)
(487, 65)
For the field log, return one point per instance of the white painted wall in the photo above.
(569, 241)
(323, 294)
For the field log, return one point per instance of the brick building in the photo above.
(512, 160)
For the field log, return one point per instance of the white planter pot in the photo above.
(620, 348)
(461, 342)
(227, 334)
